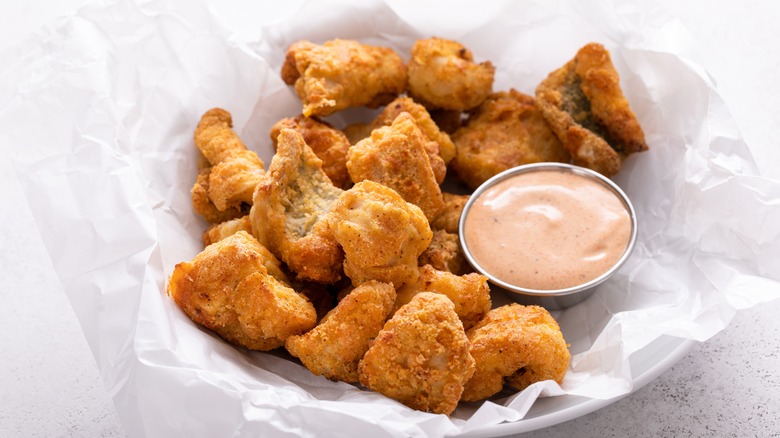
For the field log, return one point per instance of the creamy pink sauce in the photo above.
(547, 230)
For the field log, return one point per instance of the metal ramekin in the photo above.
(556, 298)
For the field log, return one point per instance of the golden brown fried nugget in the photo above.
(443, 74)
(517, 344)
(444, 253)
(444, 148)
(584, 105)
(217, 232)
(449, 216)
(228, 289)
(343, 73)
(507, 130)
(235, 170)
(334, 348)
(381, 234)
(328, 143)
(290, 208)
(396, 156)
(469, 293)
(205, 207)
(421, 357)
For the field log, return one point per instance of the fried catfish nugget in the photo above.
(421, 357)
(334, 348)
(443, 74)
(443, 146)
(229, 289)
(444, 253)
(343, 73)
(586, 108)
(449, 216)
(290, 208)
(217, 232)
(235, 169)
(507, 130)
(469, 293)
(381, 234)
(205, 207)
(328, 143)
(519, 345)
(396, 156)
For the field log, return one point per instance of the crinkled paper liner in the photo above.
(101, 109)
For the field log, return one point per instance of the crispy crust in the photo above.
(290, 209)
(421, 357)
(586, 108)
(334, 348)
(228, 289)
(396, 156)
(343, 73)
(507, 130)
(519, 345)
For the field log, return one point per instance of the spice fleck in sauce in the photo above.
(547, 229)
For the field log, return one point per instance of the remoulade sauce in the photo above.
(547, 230)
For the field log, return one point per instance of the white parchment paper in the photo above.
(99, 110)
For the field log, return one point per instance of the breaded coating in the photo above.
(328, 143)
(469, 293)
(334, 348)
(444, 253)
(421, 357)
(343, 73)
(396, 156)
(443, 149)
(584, 104)
(449, 216)
(235, 169)
(507, 130)
(290, 208)
(519, 345)
(217, 232)
(381, 234)
(228, 289)
(443, 74)
(203, 205)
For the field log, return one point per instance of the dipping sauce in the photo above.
(548, 229)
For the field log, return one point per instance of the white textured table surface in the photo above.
(728, 386)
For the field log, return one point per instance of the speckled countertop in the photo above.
(727, 386)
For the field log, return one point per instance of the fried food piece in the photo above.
(421, 356)
(217, 232)
(517, 344)
(584, 104)
(328, 143)
(343, 73)
(507, 130)
(228, 289)
(396, 156)
(290, 209)
(235, 169)
(441, 153)
(381, 234)
(469, 293)
(443, 74)
(444, 254)
(203, 205)
(449, 216)
(334, 348)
